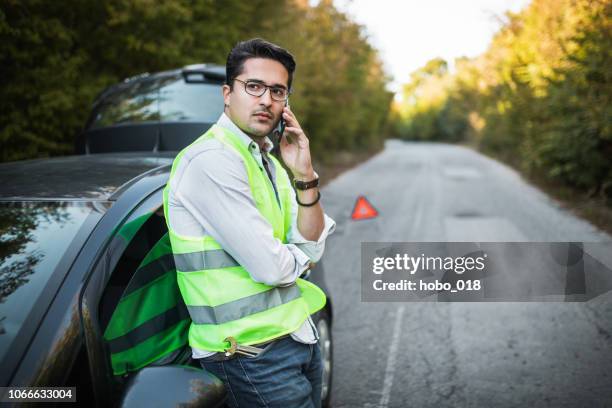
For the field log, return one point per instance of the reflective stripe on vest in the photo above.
(197, 261)
(221, 297)
(243, 307)
(150, 320)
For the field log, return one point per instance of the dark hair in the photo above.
(256, 48)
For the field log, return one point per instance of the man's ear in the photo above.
(226, 94)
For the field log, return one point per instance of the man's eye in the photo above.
(253, 86)
(278, 91)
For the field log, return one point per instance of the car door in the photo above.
(116, 263)
(136, 264)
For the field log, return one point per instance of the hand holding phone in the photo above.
(294, 147)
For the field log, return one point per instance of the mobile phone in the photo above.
(281, 123)
(280, 129)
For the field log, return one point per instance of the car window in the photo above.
(135, 103)
(142, 313)
(140, 235)
(34, 238)
(196, 102)
(165, 99)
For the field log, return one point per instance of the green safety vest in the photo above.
(221, 297)
(150, 321)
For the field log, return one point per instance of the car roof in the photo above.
(84, 177)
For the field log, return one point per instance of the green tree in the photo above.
(539, 97)
(55, 57)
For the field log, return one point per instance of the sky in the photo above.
(409, 33)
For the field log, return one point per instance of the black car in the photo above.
(66, 257)
(164, 111)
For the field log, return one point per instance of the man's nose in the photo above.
(266, 98)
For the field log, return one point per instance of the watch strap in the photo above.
(305, 185)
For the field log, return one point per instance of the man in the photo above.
(241, 237)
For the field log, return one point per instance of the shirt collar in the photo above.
(225, 122)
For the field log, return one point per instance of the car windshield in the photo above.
(162, 99)
(34, 238)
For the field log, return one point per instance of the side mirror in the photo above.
(173, 386)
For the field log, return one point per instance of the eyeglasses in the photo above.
(255, 88)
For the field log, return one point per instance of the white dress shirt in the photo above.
(210, 195)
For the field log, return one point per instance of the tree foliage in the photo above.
(55, 57)
(540, 96)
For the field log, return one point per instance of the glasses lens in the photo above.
(255, 88)
(279, 94)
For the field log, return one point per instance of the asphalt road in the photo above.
(458, 354)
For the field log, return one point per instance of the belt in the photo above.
(271, 341)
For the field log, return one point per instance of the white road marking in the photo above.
(391, 359)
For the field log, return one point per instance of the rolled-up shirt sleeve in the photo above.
(214, 189)
(313, 249)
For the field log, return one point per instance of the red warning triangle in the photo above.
(363, 209)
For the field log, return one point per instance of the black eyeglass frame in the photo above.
(265, 88)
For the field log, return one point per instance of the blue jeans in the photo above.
(286, 374)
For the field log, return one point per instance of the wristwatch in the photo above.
(305, 185)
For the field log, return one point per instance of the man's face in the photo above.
(257, 116)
